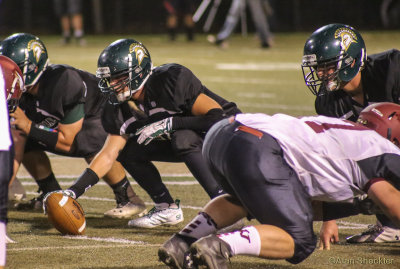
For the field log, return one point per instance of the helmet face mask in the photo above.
(13, 82)
(335, 46)
(384, 118)
(29, 52)
(125, 63)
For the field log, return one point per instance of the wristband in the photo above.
(43, 135)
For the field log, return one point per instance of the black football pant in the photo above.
(184, 146)
(6, 171)
(250, 166)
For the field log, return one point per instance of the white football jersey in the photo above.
(5, 139)
(329, 155)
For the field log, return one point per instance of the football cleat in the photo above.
(211, 252)
(127, 210)
(35, 204)
(376, 234)
(16, 192)
(172, 252)
(158, 216)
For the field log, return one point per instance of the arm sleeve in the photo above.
(198, 123)
(333, 211)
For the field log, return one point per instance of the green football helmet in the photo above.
(30, 54)
(336, 46)
(127, 60)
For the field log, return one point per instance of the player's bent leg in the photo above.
(265, 241)
(387, 198)
(187, 144)
(261, 176)
(225, 211)
(37, 163)
(129, 203)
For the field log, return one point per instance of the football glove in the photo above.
(64, 192)
(156, 129)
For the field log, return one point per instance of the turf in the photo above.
(268, 81)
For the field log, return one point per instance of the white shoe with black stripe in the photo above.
(158, 216)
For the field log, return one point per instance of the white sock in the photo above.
(202, 225)
(245, 241)
(2, 244)
(78, 33)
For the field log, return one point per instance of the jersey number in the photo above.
(320, 128)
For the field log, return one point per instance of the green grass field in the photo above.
(268, 81)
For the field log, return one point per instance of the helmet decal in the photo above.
(347, 37)
(376, 111)
(37, 49)
(139, 50)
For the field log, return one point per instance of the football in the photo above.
(66, 214)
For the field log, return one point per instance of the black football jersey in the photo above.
(61, 88)
(171, 90)
(381, 83)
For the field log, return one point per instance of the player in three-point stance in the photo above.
(60, 113)
(260, 161)
(154, 114)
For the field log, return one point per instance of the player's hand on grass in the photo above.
(156, 129)
(328, 234)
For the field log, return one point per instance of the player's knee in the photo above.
(303, 248)
(186, 141)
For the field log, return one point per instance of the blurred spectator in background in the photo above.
(259, 10)
(390, 13)
(180, 9)
(70, 13)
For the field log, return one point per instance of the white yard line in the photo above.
(259, 66)
(106, 239)
(103, 199)
(351, 225)
(82, 247)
